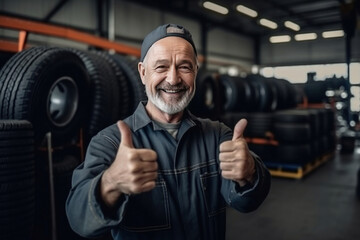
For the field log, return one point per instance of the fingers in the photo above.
(146, 155)
(236, 162)
(126, 138)
(239, 129)
(230, 146)
(133, 170)
(139, 167)
(146, 183)
(237, 170)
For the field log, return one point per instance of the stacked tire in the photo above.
(255, 93)
(206, 102)
(49, 88)
(73, 94)
(260, 126)
(303, 134)
(64, 90)
(17, 179)
(293, 129)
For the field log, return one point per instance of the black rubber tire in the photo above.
(64, 166)
(286, 94)
(130, 70)
(64, 163)
(48, 87)
(4, 57)
(17, 179)
(230, 119)
(300, 154)
(123, 87)
(238, 94)
(266, 152)
(105, 93)
(205, 102)
(260, 125)
(267, 93)
(292, 116)
(315, 122)
(292, 133)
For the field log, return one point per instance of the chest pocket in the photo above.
(148, 211)
(211, 188)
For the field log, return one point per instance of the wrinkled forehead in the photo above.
(172, 45)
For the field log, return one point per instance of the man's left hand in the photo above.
(236, 161)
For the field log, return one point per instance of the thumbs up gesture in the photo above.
(236, 161)
(133, 170)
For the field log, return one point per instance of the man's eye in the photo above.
(185, 68)
(160, 67)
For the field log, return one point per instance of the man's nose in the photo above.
(173, 77)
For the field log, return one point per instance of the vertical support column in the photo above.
(348, 60)
(204, 32)
(257, 43)
(111, 20)
(52, 188)
(22, 40)
(100, 17)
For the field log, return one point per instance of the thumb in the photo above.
(239, 129)
(125, 132)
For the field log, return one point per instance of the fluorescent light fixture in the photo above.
(333, 34)
(247, 11)
(292, 25)
(280, 39)
(215, 7)
(305, 36)
(267, 23)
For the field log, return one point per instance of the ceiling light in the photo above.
(215, 7)
(280, 39)
(267, 23)
(305, 36)
(292, 25)
(333, 34)
(247, 11)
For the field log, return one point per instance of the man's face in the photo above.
(168, 72)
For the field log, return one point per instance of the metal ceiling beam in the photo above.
(290, 12)
(192, 15)
(304, 2)
(322, 10)
(56, 9)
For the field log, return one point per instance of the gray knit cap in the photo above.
(164, 31)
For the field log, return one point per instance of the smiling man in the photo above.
(163, 173)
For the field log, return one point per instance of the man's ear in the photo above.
(141, 69)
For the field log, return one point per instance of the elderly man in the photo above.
(163, 173)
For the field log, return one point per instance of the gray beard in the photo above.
(169, 108)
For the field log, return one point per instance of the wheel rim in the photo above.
(62, 101)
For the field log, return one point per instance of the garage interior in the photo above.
(292, 68)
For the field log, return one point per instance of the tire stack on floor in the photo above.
(304, 135)
(17, 179)
(260, 126)
(296, 132)
(277, 130)
(73, 94)
(256, 98)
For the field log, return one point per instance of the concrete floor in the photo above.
(321, 206)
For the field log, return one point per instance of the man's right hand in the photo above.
(133, 170)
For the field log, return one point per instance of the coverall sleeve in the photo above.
(249, 197)
(83, 206)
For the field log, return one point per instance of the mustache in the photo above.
(169, 87)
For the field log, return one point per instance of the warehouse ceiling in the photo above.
(309, 15)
